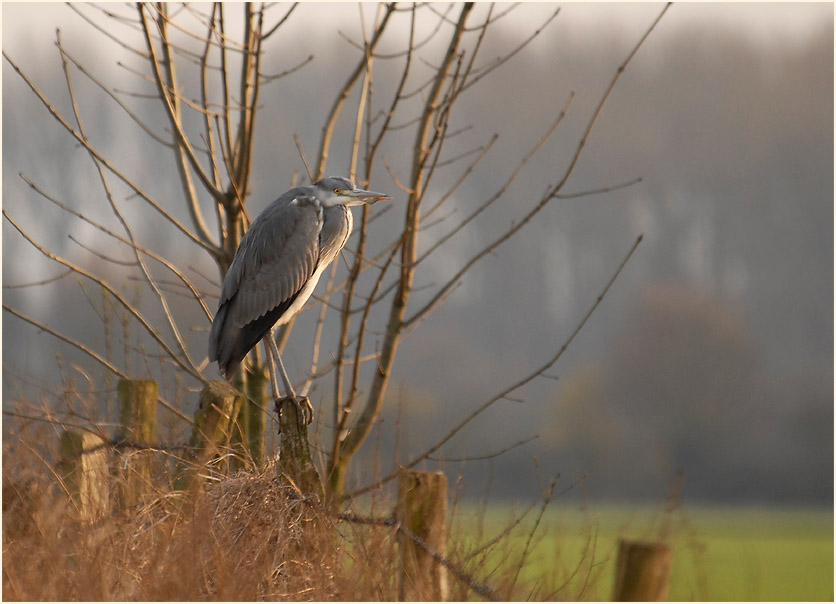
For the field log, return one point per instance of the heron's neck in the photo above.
(336, 229)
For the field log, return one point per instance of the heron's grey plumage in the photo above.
(278, 264)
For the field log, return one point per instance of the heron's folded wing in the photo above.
(277, 255)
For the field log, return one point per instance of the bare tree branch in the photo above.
(482, 72)
(464, 175)
(172, 110)
(484, 456)
(599, 190)
(112, 95)
(209, 132)
(179, 274)
(183, 364)
(304, 159)
(442, 292)
(559, 186)
(47, 281)
(103, 178)
(74, 6)
(328, 129)
(267, 78)
(516, 386)
(273, 29)
(546, 136)
(206, 245)
(363, 424)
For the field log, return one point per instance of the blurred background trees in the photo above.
(713, 356)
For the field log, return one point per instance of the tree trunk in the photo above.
(363, 426)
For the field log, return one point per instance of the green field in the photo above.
(720, 553)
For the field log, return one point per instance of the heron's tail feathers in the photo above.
(229, 344)
(220, 348)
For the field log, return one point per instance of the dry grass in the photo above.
(245, 537)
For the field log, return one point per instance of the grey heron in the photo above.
(276, 267)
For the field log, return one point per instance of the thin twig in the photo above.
(267, 78)
(559, 186)
(484, 456)
(304, 158)
(58, 277)
(52, 331)
(599, 190)
(527, 549)
(281, 22)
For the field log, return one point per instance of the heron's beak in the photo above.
(361, 196)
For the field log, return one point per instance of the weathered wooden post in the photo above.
(642, 571)
(138, 422)
(84, 469)
(218, 406)
(422, 510)
(295, 460)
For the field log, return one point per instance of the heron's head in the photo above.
(338, 190)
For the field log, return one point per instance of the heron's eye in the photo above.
(337, 191)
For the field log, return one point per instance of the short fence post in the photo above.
(84, 466)
(216, 411)
(138, 419)
(642, 571)
(422, 511)
(295, 460)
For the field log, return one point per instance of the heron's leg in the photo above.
(274, 383)
(304, 405)
(274, 350)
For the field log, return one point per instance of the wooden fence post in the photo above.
(138, 419)
(216, 411)
(295, 460)
(84, 465)
(422, 510)
(642, 571)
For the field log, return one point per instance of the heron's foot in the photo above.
(304, 407)
(303, 413)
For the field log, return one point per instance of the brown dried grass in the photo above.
(245, 537)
